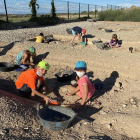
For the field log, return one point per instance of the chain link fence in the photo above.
(19, 10)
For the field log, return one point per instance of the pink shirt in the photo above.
(85, 80)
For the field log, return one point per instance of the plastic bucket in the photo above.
(69, 30)
(48, 113)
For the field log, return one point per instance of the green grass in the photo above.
(120, 15)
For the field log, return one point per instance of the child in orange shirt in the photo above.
(29, 82)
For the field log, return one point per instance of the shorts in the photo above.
(27, 89)
(73, 32)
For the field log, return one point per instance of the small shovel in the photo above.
(55, 103)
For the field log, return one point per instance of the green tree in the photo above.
(53, 14)
(32, 5)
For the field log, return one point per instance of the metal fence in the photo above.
(65, 9)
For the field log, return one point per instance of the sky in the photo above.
(22, 6)
(124, 3)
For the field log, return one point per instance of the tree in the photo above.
(53, 14)
(32, 5)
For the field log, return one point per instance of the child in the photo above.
(29, 82)
(24, 57)
(85, 88)
(40, 38)
(113, 42)
(78, 31)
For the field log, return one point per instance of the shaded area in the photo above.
(105, 137)
(40, 57)
(7, 48)
(7, 85)
(88, 112)
(107, 84)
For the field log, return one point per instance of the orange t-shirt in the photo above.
(28, 77)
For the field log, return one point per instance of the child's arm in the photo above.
(85, 94)
(50, 89)
(80, 37)
(39, 94)
(25, 56)
(75, 91)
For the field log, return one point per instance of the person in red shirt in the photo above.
(31, 81)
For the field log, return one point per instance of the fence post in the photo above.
(107, 6)
(79, 10)
(68, 8)
(95, 11)
(88, 10)
(6, 11)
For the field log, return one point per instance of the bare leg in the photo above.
(38, 85)
(116, 46)
(71, 88)
(73, 39)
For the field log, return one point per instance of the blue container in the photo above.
(48, 113)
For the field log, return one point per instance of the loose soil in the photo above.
(113, 113)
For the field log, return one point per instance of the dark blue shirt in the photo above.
(77, 29)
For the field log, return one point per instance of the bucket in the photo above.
(63, 75)
(55, 118)
(6, 67)
(69, 30)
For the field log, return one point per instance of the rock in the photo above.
(117, 84)
(3, 132)
(103, 113)
(124, 105)
(85, 123)
(134, 106)
(109, 126)
(131, 100)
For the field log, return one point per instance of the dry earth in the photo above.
(114, 111)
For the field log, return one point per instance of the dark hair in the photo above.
(27, 52)
(41, 34)
(114, 36)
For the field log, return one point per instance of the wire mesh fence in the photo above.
(17, 9)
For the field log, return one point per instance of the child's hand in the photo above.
(47, 98)
(69, 94)
(32, 64)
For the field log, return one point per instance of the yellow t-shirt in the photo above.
(39, 39)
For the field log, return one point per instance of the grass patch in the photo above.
(120, 15)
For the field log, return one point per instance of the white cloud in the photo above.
(129, 4)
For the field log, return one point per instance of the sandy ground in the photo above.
(113, 113)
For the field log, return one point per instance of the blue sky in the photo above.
(124, 3)
(22, 6)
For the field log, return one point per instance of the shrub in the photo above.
(47, 20)
(120, 15)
